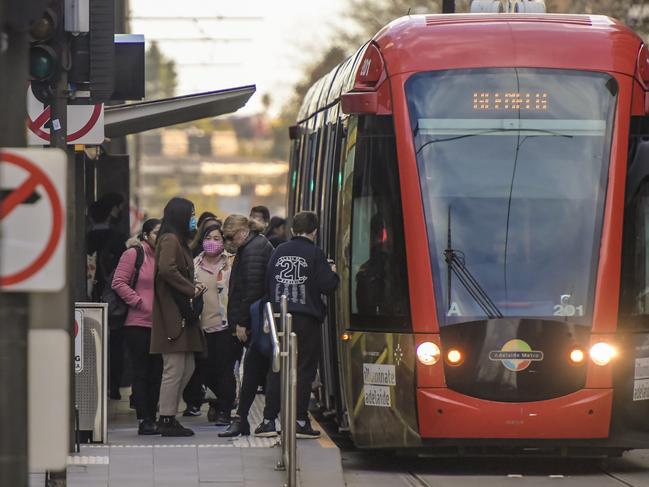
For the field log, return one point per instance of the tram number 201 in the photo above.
(568, 310)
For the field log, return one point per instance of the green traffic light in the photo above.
(41, 63)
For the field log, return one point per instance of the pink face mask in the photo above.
(213, 247)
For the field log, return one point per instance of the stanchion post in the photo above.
(284, 347)
(286, 328)
(292, 407)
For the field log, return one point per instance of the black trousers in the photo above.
(193, 393)
(147, 371)
(115, 359)
(309, 348)
(255, 371)
(217, 370)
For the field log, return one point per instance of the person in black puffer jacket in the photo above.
(247, 285)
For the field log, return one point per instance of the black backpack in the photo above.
(117, 308)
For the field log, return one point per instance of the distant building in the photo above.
(206, 168)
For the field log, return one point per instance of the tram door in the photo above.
(631, 379)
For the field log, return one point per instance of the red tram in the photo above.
(483, 183)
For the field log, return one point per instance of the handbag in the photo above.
(190, 308)
(260, 339)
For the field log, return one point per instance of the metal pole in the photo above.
(286, 376)
(292, 408)
(14, 307)
(283, 304)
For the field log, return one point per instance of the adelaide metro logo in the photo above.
(516, 355)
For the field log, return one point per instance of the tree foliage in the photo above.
(161, 78)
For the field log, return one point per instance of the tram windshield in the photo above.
(513, 166)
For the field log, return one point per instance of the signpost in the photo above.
(32, 220)
(85, 123)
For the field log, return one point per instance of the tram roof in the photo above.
(454, 41)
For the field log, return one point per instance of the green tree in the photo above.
(160, 74)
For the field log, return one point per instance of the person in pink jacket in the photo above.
(138, 295)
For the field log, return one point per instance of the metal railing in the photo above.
(285, 362)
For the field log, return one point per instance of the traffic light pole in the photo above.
(58, 139)
(14, 307)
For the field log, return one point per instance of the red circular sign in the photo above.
(36, 124)
(36, 178)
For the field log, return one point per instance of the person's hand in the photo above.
(199, 289)
(333, 267)
(242, 334)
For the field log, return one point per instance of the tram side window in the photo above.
(634, 289)
(635, 272)
(379, 287)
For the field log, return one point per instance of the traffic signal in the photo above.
(47, 39)
(93, 53)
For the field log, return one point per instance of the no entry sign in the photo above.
(32, 219)
(85, 123)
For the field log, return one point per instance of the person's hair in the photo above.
(209, 229)
(263, 210)
(200, 231)
(305, 222)
(204, 216)
(234, 223)
(274, 224)
(99, 211)
(176, 218)
(148, 226)
(111, 199)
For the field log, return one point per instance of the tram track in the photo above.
(413, 479)
(618, 479)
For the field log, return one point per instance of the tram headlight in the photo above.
(454, 357)
(577, 356)
(602, 353)
(428, 353)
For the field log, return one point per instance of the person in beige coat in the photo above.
(172, 335)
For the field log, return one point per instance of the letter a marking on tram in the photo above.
(453, 310)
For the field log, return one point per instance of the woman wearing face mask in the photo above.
(133, 282)
(174, 334)
(212, 268)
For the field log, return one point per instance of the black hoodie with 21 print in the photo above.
(299, 269)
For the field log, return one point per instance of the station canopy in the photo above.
(121, 120)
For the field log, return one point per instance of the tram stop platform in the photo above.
(203, 460)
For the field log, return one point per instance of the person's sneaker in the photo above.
(237, 427)
(306, 431)
(212, 413)
(222, 418)
(192, 411)
(266, 429)
(147, 427)
(169, 426)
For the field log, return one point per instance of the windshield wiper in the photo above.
(455, 266)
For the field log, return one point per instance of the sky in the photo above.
(268, 51)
